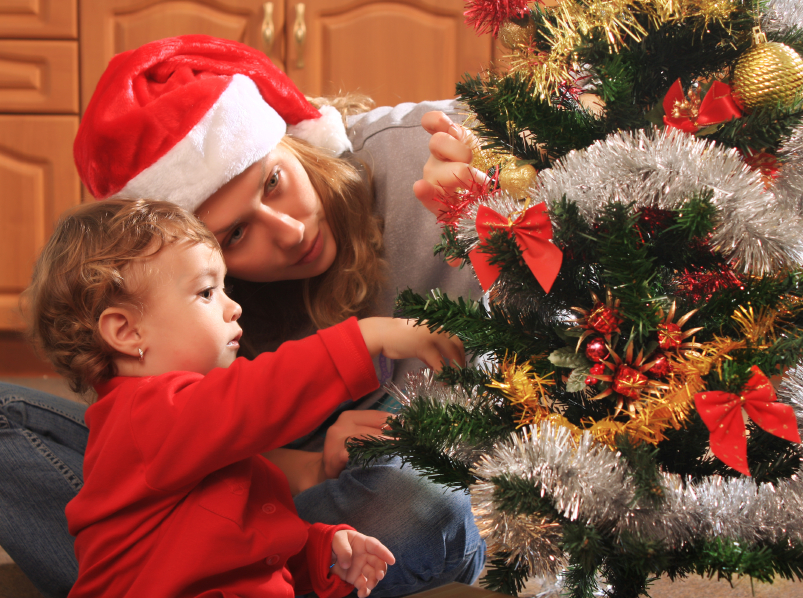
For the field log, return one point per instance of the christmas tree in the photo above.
(637, 407)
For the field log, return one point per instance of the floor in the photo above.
(13, 584)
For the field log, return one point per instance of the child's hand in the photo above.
(349, 424)
(450, 151)
(399, 339)
(360, 560)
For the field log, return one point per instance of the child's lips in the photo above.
(235, 342)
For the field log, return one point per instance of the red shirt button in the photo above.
(272, 560)
(268, 508)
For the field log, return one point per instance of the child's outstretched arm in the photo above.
(450, 151)
(400, 339)
(360, 560)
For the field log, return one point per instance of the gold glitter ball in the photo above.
(517, 179)
(516, 33)
(767, 74)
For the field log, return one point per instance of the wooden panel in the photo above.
(39, 182)
(119, 25)
(392, 50)
(18, 358)
(39, 76)
(40, 19)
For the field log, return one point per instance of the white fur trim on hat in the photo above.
(327, 132)
(238, 130)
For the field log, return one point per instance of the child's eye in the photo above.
(207, 293)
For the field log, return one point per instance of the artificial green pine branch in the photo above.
(481, 331)
(504, 577)
(643, 470)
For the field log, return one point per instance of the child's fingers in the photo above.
(376, 548)
(452, 349)
(341, 547)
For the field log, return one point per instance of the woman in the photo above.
(202, 122)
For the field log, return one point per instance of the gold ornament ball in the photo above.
(515, 180)
(516, 33)
(767, 74)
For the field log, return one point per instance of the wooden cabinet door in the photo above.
(39, 182)
(393, 50)
(112, 26)
(39, 19)
(39, 76)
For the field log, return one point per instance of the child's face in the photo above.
(270, 222)
(188, 322)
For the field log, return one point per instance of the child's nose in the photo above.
(236, 311)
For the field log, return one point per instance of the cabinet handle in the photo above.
(300, 35)
(268, 31)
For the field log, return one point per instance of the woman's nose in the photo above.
(286, 231)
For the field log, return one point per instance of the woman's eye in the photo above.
(273, 180)
(235, 236)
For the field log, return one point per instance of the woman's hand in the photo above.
(399, 339)
(450, 151)
(360, 560)
(350, 424)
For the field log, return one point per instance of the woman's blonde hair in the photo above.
(82, 271)
(276, 311)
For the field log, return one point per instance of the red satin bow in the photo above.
(722, 414)
(718, 106)
(533, 232)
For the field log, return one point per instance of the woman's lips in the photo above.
(314, 251)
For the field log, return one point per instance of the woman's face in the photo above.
(270, 223)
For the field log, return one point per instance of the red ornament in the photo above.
(533, 233)
(660, 367)
(653, 220)
(596, 370)
(486, 16)
(596, 350)
(722, 414)
(670, 336)
(628, 382)
(688, 113)
(603, 319)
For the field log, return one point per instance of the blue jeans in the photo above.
(429, 529)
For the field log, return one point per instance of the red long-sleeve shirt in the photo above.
(177, 501)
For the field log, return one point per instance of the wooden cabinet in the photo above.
(39, 106)
(394, 51)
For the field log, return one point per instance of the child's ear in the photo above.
(118, 326)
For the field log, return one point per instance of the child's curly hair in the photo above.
(82, 271)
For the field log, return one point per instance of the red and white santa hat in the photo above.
(178, 118)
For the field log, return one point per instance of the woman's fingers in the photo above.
(435, 121)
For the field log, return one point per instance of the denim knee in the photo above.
(429, 528)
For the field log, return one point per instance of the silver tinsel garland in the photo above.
(588, 482)
(782, 15)
(758, 230)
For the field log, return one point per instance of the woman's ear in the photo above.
(118, 326)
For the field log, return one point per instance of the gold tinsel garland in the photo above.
(546, 68)
(657, 410)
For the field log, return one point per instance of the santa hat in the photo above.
(178, 118)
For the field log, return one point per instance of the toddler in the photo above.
(127, 298)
